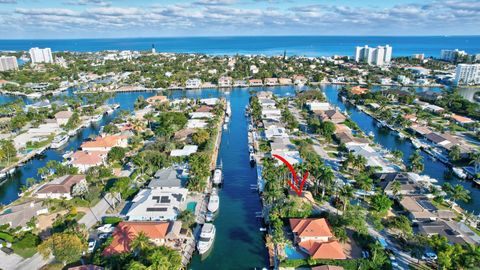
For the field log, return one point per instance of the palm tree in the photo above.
(140, 243)
(187, 217)
(416, 162)
(396, 187)
(346, 193)
(328, 177)
(459, 193)
(475, 159)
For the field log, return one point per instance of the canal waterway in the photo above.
(390, 141)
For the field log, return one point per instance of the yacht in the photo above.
(96, 118)
(116, 106)
(213, 202)
(110, 110)
(207, 236)
(416, 143)
(400, 135)
(217, 176)
(250, 149)
(459, 172)
(67, 154)
(59, 141)
(227, 119)
(229, 109)
(371, 134)
(252, 160)
(209, 217)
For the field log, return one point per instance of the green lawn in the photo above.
(24, 252)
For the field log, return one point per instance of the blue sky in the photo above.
(149, 18)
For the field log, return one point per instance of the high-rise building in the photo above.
(8, 63)
(378, 56)
(467, 74)
(38, 55)
(451, 55)
(419, 56)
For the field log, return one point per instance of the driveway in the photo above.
(9, 262)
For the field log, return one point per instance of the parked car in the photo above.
(91, 245)
(107, 228)
(429, 256)
(103, 236)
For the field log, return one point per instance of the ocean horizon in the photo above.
(311, 46)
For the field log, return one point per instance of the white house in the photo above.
(199, 115)
(60, 188)
(193, 83)
(62, 117)
(196, 123)
(318, 106)
(186, 151)
(157, 204)
(275, 132)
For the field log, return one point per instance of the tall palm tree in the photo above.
(140, 243)
(396, 187)
(416, 162)
(327, 178)
(346, 193)
(459, 193)
(475, 159)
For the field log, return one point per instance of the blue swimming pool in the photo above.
(191, 206)
(293, 253)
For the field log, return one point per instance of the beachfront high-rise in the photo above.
(8, 63)
(378, 56)
(38, 55)
(452, 55)
(467, 74)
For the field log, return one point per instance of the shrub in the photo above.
(6, 236)
(29, 240)
(112, 220)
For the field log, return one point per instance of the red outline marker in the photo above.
(290, 167)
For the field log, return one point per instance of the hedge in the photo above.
(6, 236)
(112, 220)
(352, 264)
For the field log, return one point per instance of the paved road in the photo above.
(8, 262)
(37, 261)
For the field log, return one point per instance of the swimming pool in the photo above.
(191, 206)
(293, 253)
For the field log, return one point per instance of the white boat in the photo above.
(67, 154)
(416, 143)
(59, 141)
(371, 134)
(2, 175)
(96, 118)
(252, 160)
(227, 119)
(207, 236)
(213, 202)
(400, 135)
(250, 127)
(110, 110)
(217, 176)
(229, 109)
(459, 172)
(250, 149)
(116, 106)
(209, 217)
(225, 126)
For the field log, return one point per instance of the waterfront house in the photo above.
(61, 187)
(62, 117)
(429, 96)
(209, 101)
(196, 123)
(225, 81)
(299, 79)
(270, 81)
(157, 204)
(327, 267)
(156, 100)
(201, 115)
(318, 106)
(462, 120)
(314, 236)
(447, 229)
(193, 83)
(334, 116)
(255, 82)
(170, 178)
(265, 95)
(186, 151)
(184, 134)
(282, 144)
(19, 215)
(374, 158)
(105, 143)
(358, 90)
(407, 186)
(240, 83)
(86, 267)
(347, 138)
(204, 108)
(420, 209)
(158, 233)
(284, 81)
(275, 132)
(84, 160)
(429, 107)
(274, 114)
(267, 103)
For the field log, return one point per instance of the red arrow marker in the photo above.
(290, 167)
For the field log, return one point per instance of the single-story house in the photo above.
(60, 188)
(84, 160)
(62, 117)
(169, 178)
(156, 99)
(157, 204)
(186, 151)
(105, 143)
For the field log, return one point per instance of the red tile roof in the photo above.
(324, 250)
(88, 157)
(310, 227)
(107, 141)
(126, 231)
